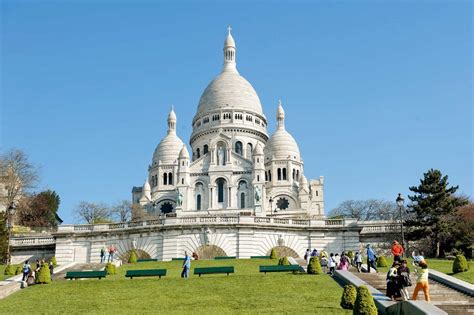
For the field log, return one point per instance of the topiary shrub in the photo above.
(314, 266)
(364, 303)
(10, 270)
(273, 254)
(133, 257)
(18, 270)
(44, 275)
(348, 297)
(460, 264)
(350, 254)
(111, 269)
(53, 260)
(283, 261)
(382, 262)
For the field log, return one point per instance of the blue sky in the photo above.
(375, 93)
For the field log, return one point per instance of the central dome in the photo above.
(229, 90)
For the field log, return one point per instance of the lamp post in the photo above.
(10, 213)
(400, 202)
(271, 205)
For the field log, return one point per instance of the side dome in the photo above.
(167, 151)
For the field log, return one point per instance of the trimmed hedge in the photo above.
(44, 275)
(10, 270)
(53, 260)
(19, 270)
(364, 303)
(111, 269)
(314, 266)
(273, 254)
(348, 297)
(382, 262)
(350, 254)
(133, 257)
(460, 264)
(284, 261)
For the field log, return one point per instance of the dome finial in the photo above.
(280, 116)
(229, 52)
(172, 121)
(229, 29)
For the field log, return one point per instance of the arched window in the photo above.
(269, 175)
(220, 190)
(284, 173)
(266, 176)
(294, 174)
(249, 150)
(206, 149)
(182, 181)
(198, 202)
(297, 175)
(242, 200)
(316, 193)
(170, 178)
(165, 179)
(198, 153)
(279, 173)
(238, 147)
(221, 153)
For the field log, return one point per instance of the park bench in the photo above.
(211, 270)
(280, 268)
(177, 258)
(145, 273)
(224, 257)
(86, 274)
(147, 259)
(259, 257)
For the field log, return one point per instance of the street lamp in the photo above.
(271, 206)
(10, 213)
(400, 202)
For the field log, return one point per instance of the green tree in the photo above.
(3, 236)
(432, 209)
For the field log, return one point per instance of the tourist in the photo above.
(344, 262)
(112, 251)
(397, 251)
(31, 277)
(38, 265)
(102, 255)
(186, 266)
(358, 261)
(404, 279)
(337, 259)
(51, 269)
(195, 256)
(393, 288)
(324, 263)
(26, 271)
(422, 281)
(332, 264)
(371, 257)
(314, 253)
(307, 256)
(417, 258)
(323, 254)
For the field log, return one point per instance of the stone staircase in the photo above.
(447, 299)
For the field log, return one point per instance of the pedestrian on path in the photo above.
(405, 281)
(307, 256)
(51, 269)
(102, 255)
(186, 266)
(358, 261)
(332, 264)
(422, 281)
(371, 257)
(397, 251)
(393, 287)
(26, 271)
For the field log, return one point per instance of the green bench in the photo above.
(147, 259)
(211, 270)
(178, 258)
(279, 268)
(145, 273)
(224, 257)
(86, 274)
(259, 257)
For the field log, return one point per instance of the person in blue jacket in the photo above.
(371, 258)
(186, 265)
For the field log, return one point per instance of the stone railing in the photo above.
(379, 227)
(32, 241)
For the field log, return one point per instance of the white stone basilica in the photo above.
(235, 167)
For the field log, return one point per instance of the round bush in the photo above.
(273, 254)
(364, 303)
(350, 254)
(348, 297)
(284, 261)
(382, 262)
(133, 257)
(111, 269)
(10, 270)
(18, 270)
(44, 275)
(314, 266)
(53, 260)
(460, 264)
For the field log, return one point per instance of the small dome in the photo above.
(146, 186)
(282, 145)
(184, 154)
(229, 41)
(258, 150)
(167, 151)
(303, 180)
(172, 115)
(280, 111)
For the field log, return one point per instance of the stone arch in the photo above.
(284, 251)
(140, 254)
(209, 251)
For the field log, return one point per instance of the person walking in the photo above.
(102, 255)
(337, 259)
(417, 258)
(332, 264)
(393, 289)
(307, 256)
(422, 281)
(111, 253)
(358, 261)
(371, 257)
(404, 279)
(314, 253)
(344, 262)
(397, 251)
(51, 269)
(186, 266)
(26, 271)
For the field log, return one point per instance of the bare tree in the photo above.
(122, 211)
(364, 210)
(17, 176)
(93, 213)
(139, 213)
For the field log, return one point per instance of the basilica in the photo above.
(234, 167)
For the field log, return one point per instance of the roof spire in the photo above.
(280, 116)
(172, 121)
(229, 52)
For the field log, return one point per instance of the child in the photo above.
(422, 281)
(358, 261)
(404, 279)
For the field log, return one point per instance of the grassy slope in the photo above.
(243, 292)
(2, 270)
(442, 265)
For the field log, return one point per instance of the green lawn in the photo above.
(443, 265)
(246, 291)
(2, 271)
